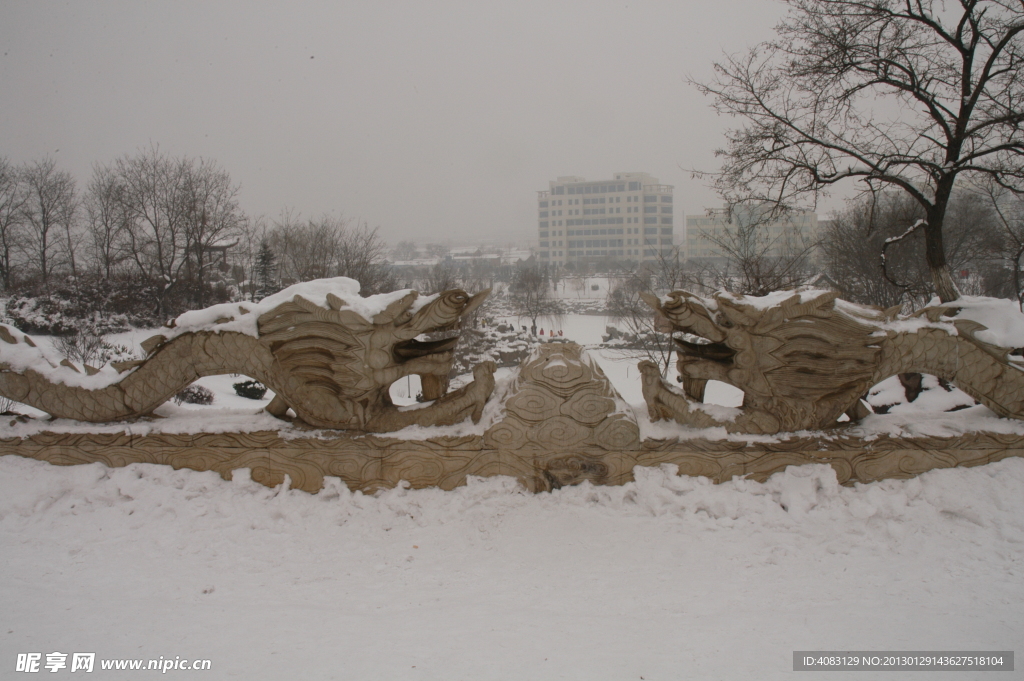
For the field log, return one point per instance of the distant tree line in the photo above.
(151, 235)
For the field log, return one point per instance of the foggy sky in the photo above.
(432, 120)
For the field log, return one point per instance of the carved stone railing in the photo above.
(373, 462)
(803, 359)
(563, 423)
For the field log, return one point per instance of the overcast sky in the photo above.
(432, 120)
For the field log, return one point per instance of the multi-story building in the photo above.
(626, 218)
(791, 235)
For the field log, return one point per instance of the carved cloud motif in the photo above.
(561, 399)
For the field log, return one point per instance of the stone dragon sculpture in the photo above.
(328, 363)
(805, 358)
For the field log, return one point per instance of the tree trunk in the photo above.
(944, 286)
(935, 256)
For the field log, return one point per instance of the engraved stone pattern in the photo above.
(561, 399)
(368, 465)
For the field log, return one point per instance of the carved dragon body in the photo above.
(805, 359)
(329, 364)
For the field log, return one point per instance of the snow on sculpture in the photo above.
(329, 358)
(802, 358)
(805, 358)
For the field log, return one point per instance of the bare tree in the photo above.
(531, 294)
(106, 221)
(644, 334)
(49, 211)
(644, 337)
(12, 202)
(362, 255)
(755, 259)
(443, 276)
(330, 247)
(437, 251)
(912, 95)
(307, 249)
(211, 216)
(852, 239)
(152, 198)
(252, 235)
(405, 250)
(1008, 210)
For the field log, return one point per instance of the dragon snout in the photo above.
(715, 352)
(414, 349)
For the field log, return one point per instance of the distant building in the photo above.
(790, 235)
(626, 218)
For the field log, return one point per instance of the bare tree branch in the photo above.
(910, 95)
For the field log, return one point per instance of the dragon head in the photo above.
(353, 359)
(791, 353)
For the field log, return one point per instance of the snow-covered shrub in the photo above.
(617, 339)
(86, 346)
(254, 390)
(501, 344)
(107, 306)
(194, 394)
(42, 315)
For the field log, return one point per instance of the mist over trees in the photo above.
(330, 247)
(169, 230)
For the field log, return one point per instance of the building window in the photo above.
(650, 230)
(650, 199)
(666, 198)
(543, 225)
(666, 209)
(666, 221)
(666, 231)
(650, 221)
(650, 209)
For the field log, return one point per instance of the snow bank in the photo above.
(667, 577)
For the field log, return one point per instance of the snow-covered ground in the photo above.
(665, 578)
